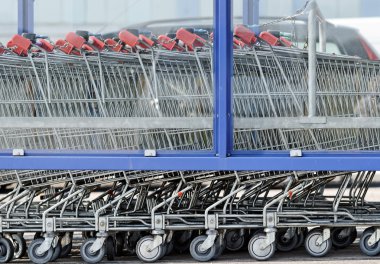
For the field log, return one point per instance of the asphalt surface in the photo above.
(351, 254)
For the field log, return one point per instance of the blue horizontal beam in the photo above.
(255, 161)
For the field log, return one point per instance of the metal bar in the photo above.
(257, 161)
(189, 122)
(223, 78)
(109, 123)
(312, 45)
(25, 16)
(307, 123)
(322, 36)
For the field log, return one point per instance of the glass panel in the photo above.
(275, 107)
(138, 75)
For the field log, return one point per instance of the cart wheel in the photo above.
(170, 247)
(311, 245)
(219, 250)
(91, 257)
(19, 245)
(110, 248)
(338, 241)
(255, 250)
(143, 253)
(353, 235)
(34, 256)
(66, 250)
(164, 250)
(119, 244)
(197, 253)
(234, 241)
(181, 242)
(300, 238)
(57, 252)
(6, 250)
(284, 243)
(369, 250)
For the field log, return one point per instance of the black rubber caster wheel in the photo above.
(284, 243)
(365, 247)
(119, 244)
(197, 253)
(66, 250)
(234, 240)
(313, 247)
(257, 252)
(339, 239)
(142, 252)
(6, 250)
(91, 257)
(57, 252)
(36, 257)
(19, 245)
(301, 234)
(110, 248)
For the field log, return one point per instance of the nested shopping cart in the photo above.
(136, 91)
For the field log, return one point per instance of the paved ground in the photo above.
(345, 256)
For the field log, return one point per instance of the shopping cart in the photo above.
(160, 90)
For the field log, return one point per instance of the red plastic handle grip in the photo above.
(286, 42)
(19, 45)
(166, 42)
(75, 40)
(270, 39)
(128, 38)
(146, 42)
(191, 40)
(239, 43)
(97, 43)
(87, 47)
(245, 35)
(46, 45)
(64, 46)
(112, 44)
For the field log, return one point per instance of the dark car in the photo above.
(340, 39)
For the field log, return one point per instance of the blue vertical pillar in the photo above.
(223, 61)
(251, 12)
(25, 16)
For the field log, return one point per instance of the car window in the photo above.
(331, 47)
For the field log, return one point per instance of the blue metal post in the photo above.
(251, 12)
(223, 124)
(25, 16)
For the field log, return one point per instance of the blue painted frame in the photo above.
(223, 68)
(25, 16)
(221, 158)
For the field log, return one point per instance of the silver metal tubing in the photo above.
(312, 46)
